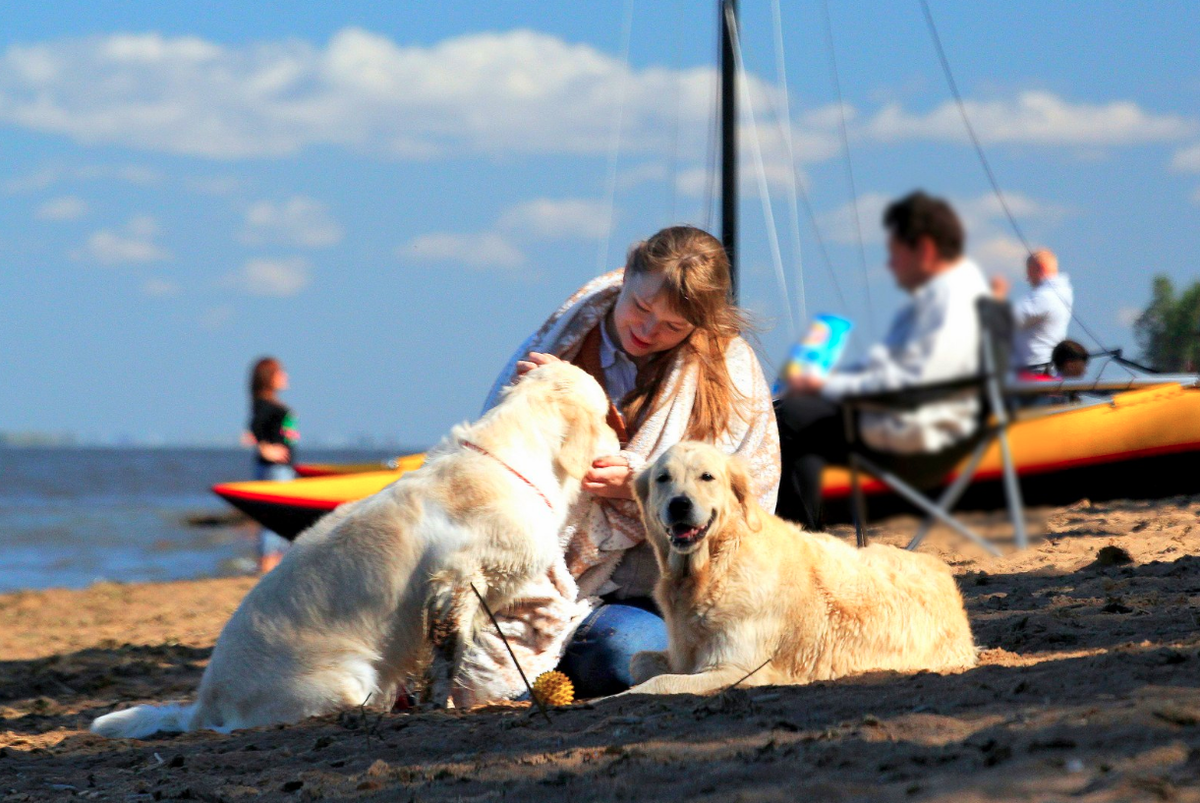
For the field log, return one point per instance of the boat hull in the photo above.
(1141, 444)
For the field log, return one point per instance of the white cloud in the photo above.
(213, 185)
(1127, 316)
(486, 93)
(68, 207)
(134, 242)
(475, 250)
(271, 277)
(50, 176)
(495, 94)
(160, 288)
(990, 240)
(644, 173)
(839, 225)
(1000, 254)
(537, 220)
(1033, 117)
(1187, 160)
(299, 221)
(558, 218)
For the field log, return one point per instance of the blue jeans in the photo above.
(597, 659)
(270, 543)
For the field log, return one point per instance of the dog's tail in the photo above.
(140, 722)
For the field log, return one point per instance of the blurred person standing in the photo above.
(273, 433)
(1042, 316)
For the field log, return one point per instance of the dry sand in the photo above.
(1088, 689)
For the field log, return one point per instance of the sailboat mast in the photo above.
(729, 166)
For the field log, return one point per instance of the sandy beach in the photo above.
(1088, 689)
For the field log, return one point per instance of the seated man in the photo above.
(933, 338)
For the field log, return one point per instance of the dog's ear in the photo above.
(739, 483)
(641, 488)
(581, 432)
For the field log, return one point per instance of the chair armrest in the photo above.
(910, 398)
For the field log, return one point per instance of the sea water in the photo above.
(72, 516)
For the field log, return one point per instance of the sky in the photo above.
(391, 197)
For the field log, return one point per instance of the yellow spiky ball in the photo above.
(554, 688)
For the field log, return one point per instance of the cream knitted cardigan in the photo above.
(599, 531)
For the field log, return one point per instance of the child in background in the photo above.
(273, 430)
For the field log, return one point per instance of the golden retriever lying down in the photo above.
(741, 588)
(348, 613)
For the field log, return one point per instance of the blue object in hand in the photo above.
(818, 352)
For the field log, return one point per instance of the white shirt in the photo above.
(620, 374)
(932, 339)
(1041, 319)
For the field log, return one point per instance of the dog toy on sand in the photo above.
(554, 688)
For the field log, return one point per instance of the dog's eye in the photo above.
(664, 477)
(707, 477)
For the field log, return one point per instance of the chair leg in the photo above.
(902, 488)
(951, 495)
(1012, 491)
(1012, 488)
(858, 506)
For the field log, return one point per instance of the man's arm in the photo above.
(1032, 309)
(942, 343)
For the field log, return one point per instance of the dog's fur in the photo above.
(350, 611)
(742, 589)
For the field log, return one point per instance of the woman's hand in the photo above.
(274, 452)
(805, 384)
(610, 477)
(533, 360)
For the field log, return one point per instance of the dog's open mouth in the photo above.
(683, 535)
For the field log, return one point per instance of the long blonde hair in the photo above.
(695, 279)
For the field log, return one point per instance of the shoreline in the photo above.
(1088, 687)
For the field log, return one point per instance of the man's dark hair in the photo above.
(919, 215)
(1066, 351)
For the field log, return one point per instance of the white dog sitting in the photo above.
(348, 613)
(747, 593)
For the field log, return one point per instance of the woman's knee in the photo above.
(598, 658)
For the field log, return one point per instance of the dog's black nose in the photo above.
(679, 508)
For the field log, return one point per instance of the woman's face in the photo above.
(643, 318)
(280, 381)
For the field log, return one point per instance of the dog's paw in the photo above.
(646, 665)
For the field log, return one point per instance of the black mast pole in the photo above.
(729, 166)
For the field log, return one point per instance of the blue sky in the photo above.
(389, 197)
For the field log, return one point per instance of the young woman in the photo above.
(663, 340)
(273, 431)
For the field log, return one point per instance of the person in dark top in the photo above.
(273, 432)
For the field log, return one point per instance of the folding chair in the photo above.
(908, 475)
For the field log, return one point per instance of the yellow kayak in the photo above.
(403, 463)
(1140, 443)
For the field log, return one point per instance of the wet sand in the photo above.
(1088, 689)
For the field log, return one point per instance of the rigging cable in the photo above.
(837, 86)
(962, 110)
(710, 178)
(615, 144)
(785, 124)
(764, 194)
(674, 177)
(987, 168)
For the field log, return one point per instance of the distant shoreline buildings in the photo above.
(33, 439)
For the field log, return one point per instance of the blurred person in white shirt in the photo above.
(933, 338)
(1042, 316)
